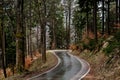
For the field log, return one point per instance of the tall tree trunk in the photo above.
(39, 21)
(108, 16)
(43, 42)
(43, 33)
(27, 40)
(28, 44)
(20, 60)
(95, 19)
(2, 46)
(66, 27)
(116, 11)
(103, 17)
(30, 41)
(37, 43)
(24, 34)
(54, 35)
(3, 55)
(37, 35)
(119, 12)
(30, 27)
(69, 23)
(87, 15)
(53, 27)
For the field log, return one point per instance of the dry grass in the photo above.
(38, 65)
(96, 62)
(100, 70)
(1, 74)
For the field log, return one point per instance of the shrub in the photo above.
(117, 36)
(72, 47)
(91, 45)
(112, 46)
(109, 49)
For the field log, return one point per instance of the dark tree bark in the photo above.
(54, 35)
(103, 17)
(95, 18)
(37, 35)
(24, 33)
(30, 27)
(38, 10)
(43, 32)
(53, 28)
(66, 27)
(28, 44)
(87, 16)
(69, 23)
(20, 38)
(108, 16)
(117, 12)
(2, 42)
(3, 55)
(37, 43)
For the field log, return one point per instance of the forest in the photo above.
(89, 28)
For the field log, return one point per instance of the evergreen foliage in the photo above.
(114, 45)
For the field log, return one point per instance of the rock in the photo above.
(105, 45)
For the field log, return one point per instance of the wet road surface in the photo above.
(68, 68)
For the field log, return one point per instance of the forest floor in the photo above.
(36, 67)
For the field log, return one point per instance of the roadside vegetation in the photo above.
(91, 27)
(33, 67)
(103, 58)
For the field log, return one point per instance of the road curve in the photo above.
(69, 67)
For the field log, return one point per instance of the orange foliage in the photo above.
(9, 72)
(1, 71)
(99, 34)
(73, 47)
(90, 35)
(28, 62)
(117, 25)
(86, 37)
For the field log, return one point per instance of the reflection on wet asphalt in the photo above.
(68, 68)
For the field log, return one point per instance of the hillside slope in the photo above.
(104, 59)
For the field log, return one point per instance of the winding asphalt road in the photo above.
(68, 68)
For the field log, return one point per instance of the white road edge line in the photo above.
(82, 62)
(59, 61)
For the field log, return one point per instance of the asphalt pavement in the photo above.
(69, 68)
